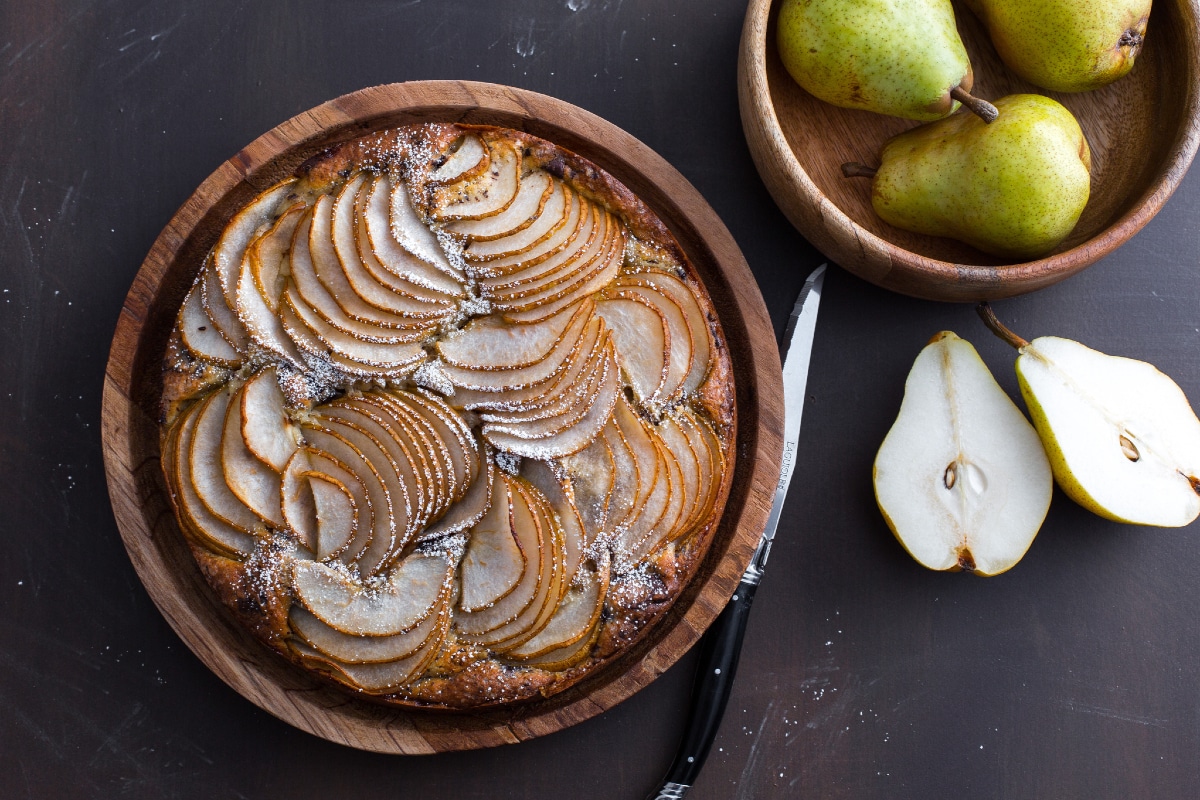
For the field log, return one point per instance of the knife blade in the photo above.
(722, 644)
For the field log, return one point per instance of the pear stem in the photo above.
(997, 327)
(985, 110)
(853, 169)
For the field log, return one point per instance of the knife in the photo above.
(722, 644)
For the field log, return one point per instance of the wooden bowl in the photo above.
(1143, 131)
(133, 385)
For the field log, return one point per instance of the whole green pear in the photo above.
(1014, 188)
(1066, 45)
(897, 57)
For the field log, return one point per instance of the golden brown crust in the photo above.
(465, 676)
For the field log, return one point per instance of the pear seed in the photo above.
(951, 475)
(1128, 448)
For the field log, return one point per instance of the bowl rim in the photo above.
(983, 282)
(150, 533)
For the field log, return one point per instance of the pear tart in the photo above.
(448, 417)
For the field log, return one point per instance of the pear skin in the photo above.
(1014, 188)
(1066, 45)
(897, 57)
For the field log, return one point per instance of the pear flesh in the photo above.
(897, 57)
(1014, 188)
(1066, 45)
(1122, 439)
(961, 478)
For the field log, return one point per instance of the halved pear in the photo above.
(340, 600)
(1122, 438)
(961, 478)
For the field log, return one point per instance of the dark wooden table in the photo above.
(864, 676)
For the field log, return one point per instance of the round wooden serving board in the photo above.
(1143, 132)
(133, 384)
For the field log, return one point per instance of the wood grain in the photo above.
(130, 426)
(1143, 131)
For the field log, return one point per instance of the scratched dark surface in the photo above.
(864, 676)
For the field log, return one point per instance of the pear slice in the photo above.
(296, 499)
(453, 435)
(712, 461)
(555, 231)
(409, 595)
(353, 347)
(206, 474)
(350, 649)
(473, 505)
(258, 294)
(253, 482)
(266, 429)
(1123, 440)
(376, 216)
(961, 478)
(362, 281)
(561, 270)
(412, 234)
(536, 189)
(335, 512)
(213, 532)
(574, 438)
(568, 656)
(493, 563)
(504, 380)
(488, 343)
(681, 351)
(697, 322)
(464, 161)
(561, 393)
(489, 193)
(299, 502)
(476, 626)
(592, 473)
(676, 441)
(628, 478)
(556, 487)
(241, 230)
(200, 335)
(334, 445)
(378, 678)
(398, 364)
(643, 343)
(577, 613)
(605, 268)
(436, 463)
(411, 451)
(228, 325)
(404, 273)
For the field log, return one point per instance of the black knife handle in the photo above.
(719, 651)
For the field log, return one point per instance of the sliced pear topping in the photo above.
(200, 335)
(961, 478)
(489, 343)
(499, 234)
(206, 474)
(250, 479)
(335, 511)
(215, 533)
(592, 473)
(408, 595)
(241, 230)
(268, 433)
(413, 234)
(463, 161)
(473, 505)
(560, 495)
(493, 563)
(258, 293)
(643, 343)
(350, 649)
(296, 499)
(490, 193)
(221, 314)
(574, 618)
(377, 678)
(700, 335)
(531, 538)
(556, 230)
(390, 253)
